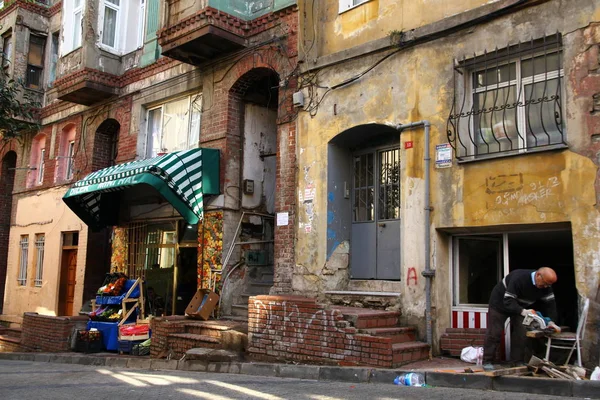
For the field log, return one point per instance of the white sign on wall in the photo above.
(443, 155)
(282, 219)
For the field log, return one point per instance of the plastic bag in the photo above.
(595, 375)
(473, 355)
(410, 379)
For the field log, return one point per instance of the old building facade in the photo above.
(119, 84)
(443, 145)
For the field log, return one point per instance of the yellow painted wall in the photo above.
(375, 19)
(416, 84)
(45, 213)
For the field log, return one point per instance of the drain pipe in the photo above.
(428, 273)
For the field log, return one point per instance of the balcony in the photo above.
(199, 31)
(87, 87)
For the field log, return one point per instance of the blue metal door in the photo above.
(375, 237)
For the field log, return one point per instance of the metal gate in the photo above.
(375, 237)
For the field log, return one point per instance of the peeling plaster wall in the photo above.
(416, 84)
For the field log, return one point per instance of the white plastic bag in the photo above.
(473, 355)
(595, 375)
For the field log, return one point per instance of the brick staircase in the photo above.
(384, 324)
(172, 337)
(10, 334)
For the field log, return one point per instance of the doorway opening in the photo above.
(68, 273)
(480, 261)
(363, 186)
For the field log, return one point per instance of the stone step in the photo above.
(259, 287)
(211, 328)
(10, 332)
(404, 353)
(11, 321)
(240, 310)
(179, 343)
(235, 318)
(397, 334)
(213, 355)
(366, 318)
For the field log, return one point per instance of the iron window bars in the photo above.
(24, 245)
(39, 262)
(510, 101)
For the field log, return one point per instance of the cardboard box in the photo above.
(202, 305)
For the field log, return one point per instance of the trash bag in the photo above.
(473, 355)
(595, 375)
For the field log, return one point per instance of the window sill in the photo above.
(512, 153)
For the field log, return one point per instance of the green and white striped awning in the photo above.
(182, 178)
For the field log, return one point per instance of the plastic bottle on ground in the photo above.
(410, 379)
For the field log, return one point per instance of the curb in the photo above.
(545, 386)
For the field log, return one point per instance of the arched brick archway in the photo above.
(106, 143)
(222, 127)
(7, 180)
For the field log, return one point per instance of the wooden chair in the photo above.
(570, 340)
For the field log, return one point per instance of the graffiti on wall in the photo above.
(411, 276)
(292, 321)
(210, 248)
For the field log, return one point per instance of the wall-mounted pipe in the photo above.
(428, 273)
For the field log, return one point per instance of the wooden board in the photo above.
(508, 371)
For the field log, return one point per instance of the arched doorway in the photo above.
(255, 99)
(7, 180)
(106, 143)
(363, 186)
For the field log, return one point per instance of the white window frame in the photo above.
(40, 240)
(142, 23)
(23, 260)
(191, 98)
(70, 159)
(346, 5)
(519, 84)
(41, 167)
(78, 25)
(118, 11)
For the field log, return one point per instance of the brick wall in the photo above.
(456, 339)
(294, 328)
(161, 329)
(222, 129)
(49, 334)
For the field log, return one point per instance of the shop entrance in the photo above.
(480, 261)
(165, 253)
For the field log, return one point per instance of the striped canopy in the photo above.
(182, 178)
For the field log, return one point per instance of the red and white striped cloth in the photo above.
(474, 318)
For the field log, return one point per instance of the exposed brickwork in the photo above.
(220, 19)
(49, 334)
(456, 339)
(24, 4)
(294, 328)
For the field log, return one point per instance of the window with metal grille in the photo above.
(40, 240)
(35, 62)
(24, 246)
(509, 101)
(150, 246)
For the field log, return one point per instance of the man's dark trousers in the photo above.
(493, 336)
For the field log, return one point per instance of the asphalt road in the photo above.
(23, 380)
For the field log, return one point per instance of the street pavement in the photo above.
(24, 380)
